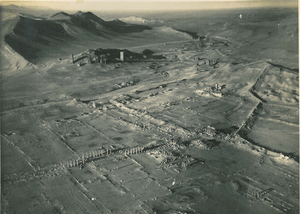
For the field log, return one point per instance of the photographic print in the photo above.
(143, 107)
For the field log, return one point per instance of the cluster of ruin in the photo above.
(105, 56)
(216, 90)
(211, 62)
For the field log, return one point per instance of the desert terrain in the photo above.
(176, 112)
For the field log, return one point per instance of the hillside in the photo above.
(34, 38)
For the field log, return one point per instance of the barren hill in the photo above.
(60, 16)
(38, 40)
(32, 38)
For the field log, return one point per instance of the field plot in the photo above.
(104, 116)
(267, 134)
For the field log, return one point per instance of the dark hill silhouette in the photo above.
(60, 16)
(35, 30)
(96, 25)
(28, 35)
(89, 20)
(88, 16)
(35, 40)
(117, 22)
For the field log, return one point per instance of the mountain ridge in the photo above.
(28, 36)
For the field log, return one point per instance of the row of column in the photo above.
(99, 153)
(134, 150)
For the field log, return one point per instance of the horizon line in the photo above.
(149, 6)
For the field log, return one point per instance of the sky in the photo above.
(146, 5)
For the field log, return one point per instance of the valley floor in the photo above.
(152, 136)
